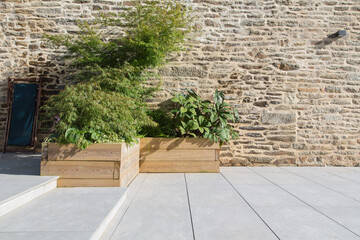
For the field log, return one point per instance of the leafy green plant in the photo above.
(113, 57)
(165, 124)
(195, 117)
(141, 36)
(89, 110)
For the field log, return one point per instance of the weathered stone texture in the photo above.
(297, 90)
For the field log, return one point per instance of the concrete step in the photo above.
(64, 213)
(17, 190)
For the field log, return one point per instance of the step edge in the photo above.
(101, 229)
(24, 197)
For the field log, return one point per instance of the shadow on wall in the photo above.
(20, 164)
(330, 39)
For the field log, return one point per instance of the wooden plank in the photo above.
(78, 169)
(116, 170)
(177, 143)
(99, 165)
(88, 182)
(95, 152)
(179, 166)
(128, 175)
(127, 150)
(129, 160)
(175, 154)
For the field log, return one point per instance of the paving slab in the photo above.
(163, 179)
(230, 223)
(205, 179)
(17, 190)
(346, 173)
(341, 185)
(155, 222)
(214, 195)
(162, 195)
(267, 195)
(349, 217)
(130, 194)
(12, 186)
(279, 176)
(241, 203)
(70, 210)
(303, 223)
(317, 176)
(245, 178)
(20, 164)
(44, 235)
(317, 195)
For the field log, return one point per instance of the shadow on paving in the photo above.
(20, 164)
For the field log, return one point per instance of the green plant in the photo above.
(141, 36)
(113, 57)
(86, 114)
(165, 124)
(201, 118)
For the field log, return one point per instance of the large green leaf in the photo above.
(213, 117)
(175, 100)
(201, 119)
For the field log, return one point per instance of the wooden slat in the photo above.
(177, 143)
(173, 155)
(129, 174)
(116, 170)
(127, 150)
(129, 160)
(78, 169)
(88, 182)
(95, 152)
(99, 165)
(179, 166)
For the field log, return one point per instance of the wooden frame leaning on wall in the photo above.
(9, 99)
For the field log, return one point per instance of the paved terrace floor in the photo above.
(242, 203)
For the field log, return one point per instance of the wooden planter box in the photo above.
(99, 165)
(178, 155)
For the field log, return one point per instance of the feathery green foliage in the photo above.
(113, 56)
(148, 33)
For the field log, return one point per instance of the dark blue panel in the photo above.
(22, 115)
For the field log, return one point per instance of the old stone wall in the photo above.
(298, 91)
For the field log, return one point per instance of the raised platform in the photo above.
(17, 190)
(64, 213)
(31, 207)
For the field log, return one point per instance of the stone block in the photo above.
(278, 118)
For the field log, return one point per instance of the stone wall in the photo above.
(297, 90)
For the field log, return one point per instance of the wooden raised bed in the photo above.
(176, 155)
(99, 165)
